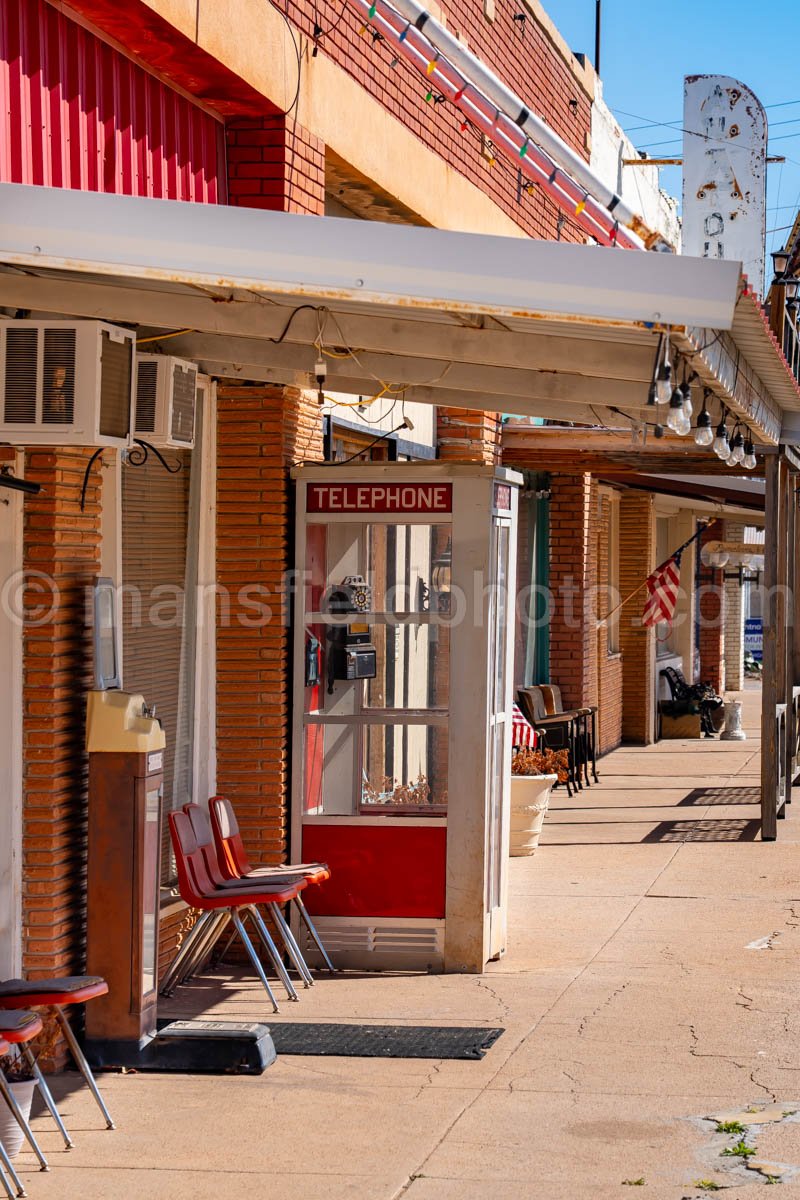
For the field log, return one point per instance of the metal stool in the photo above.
(52, 994)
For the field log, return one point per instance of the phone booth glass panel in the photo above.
(405, 578)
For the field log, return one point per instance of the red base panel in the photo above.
(377, 871)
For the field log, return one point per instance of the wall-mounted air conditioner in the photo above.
(166, 399)
(66, 383)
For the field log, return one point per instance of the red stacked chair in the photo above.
(198, 891)
(235, 864)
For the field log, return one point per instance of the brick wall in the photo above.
(261, 430)
(573, 575)
(274, 163)
(637, 643)
(711, 609)
(528, 64)
(61, 557)
(469, 435)
(609, 665)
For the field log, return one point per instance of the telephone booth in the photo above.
(403, 641)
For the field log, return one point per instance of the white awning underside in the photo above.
(461, 320)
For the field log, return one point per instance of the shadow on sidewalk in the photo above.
(715, 830)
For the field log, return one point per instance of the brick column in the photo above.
(734, 619)
(573, 585)
(62, 559)
(273, 162)
(261, 430)
(637, 642)
(711, 599)
(469, 435)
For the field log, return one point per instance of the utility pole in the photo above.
(597, 22)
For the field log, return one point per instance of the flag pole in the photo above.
(636, 590)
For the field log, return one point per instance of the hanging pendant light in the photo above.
(675, 414)
(721, 444)
(749, 460)
(664, 382)
(686, 389)
(704, 434)
(737, 448)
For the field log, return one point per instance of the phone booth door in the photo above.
(402, 692)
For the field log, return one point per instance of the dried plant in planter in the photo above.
(417, 793)
(525, 761)
(15, 1066)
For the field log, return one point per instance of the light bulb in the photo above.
(721, 447)
(749, 460)
(704, 434)
(675, 410)
(664, 383)
(737, 449)
(686, 392)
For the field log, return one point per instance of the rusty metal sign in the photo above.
(724, 173)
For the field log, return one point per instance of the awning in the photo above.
(461, 320)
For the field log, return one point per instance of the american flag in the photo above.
(522, 732)
(662, 592)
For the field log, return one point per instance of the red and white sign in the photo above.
(502, 496)
(433, 498)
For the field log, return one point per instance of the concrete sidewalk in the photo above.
(651, 982)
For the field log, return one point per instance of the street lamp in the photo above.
(780, 261)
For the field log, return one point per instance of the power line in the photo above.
(650, 124)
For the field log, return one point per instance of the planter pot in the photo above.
(11, 1135)
(530, 796)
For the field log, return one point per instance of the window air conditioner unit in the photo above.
(166, 400)
(66, 383)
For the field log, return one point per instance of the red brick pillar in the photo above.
(275, 163)
(62, 559)
(711, 614)
(637, 642)
(261, 431)
(573, 585)
(469, 435)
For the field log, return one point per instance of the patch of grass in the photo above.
(731, 1127)
(739, 1149)
(634, 1182)
(707, 1185)
(770, 1179)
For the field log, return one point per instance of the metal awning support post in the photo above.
(788, 661)
(774, 620)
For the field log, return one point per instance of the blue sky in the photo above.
(648, 48)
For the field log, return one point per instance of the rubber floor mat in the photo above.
(383, 1041)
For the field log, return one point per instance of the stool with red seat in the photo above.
(235, 864)
(18, 1029)
(197, 890)
(6, 1165)
(201, 826)
(54, 994)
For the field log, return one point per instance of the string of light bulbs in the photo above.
(735, 448)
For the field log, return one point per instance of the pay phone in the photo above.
(351, 654)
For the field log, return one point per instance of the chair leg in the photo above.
(79, 1059)
(15, 1179)
(47, 1096)
(169, 982)
(254, 959)
(7, 1095)
(309, 924)
(272, 950)
(205, 947)
(292, 948)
